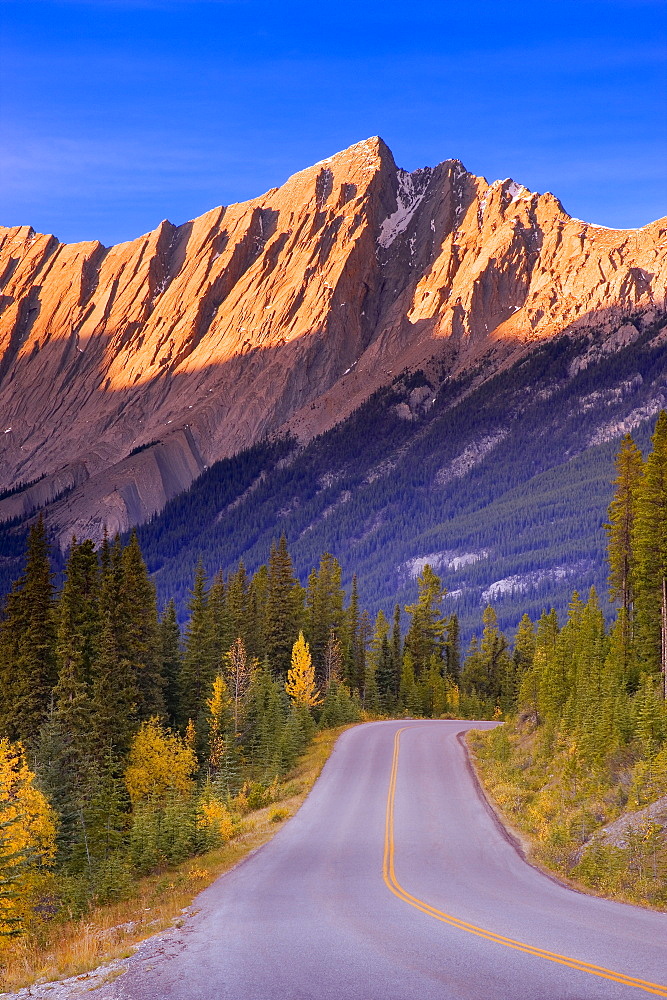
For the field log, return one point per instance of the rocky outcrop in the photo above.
(124, 371)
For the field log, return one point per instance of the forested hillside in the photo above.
(499, 482)
(127, 745)
(502, 485)
(582, 766)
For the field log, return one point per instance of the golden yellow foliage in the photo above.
(300, 684)
(218, 706)
(161, 765)
(453, 695)
(28, 835)
(219, 700)
(191, 735)
(216, 818)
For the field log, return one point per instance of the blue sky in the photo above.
(115, 114)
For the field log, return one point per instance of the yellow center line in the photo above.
(397, 889)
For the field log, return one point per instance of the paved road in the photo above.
(394, 882)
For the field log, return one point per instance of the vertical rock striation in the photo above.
(124, 371)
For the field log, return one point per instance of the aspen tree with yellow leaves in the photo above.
(27, 841)
(300, 684)
(161, 765)
(218, 716)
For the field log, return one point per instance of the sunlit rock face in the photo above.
(124, 371)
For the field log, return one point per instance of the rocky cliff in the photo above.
(125, 371)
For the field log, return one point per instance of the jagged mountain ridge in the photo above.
(125, 371)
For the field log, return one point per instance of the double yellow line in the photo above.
(394, 886)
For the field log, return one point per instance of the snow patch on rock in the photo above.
(449, 559)
(616, 428)
(522, 582)
(469, 458)
(410, 194)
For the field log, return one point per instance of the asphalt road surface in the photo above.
(394, 881)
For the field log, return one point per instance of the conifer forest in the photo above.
(129, 743)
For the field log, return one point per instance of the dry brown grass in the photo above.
(557, 817)
(112, 931)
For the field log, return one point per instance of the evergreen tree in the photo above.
(324, 608)
(377, 684)
(650, 544)
(198, 669)
(170, 636)
(220, 635)
(78, 613)
(140, 638)
(453, 649)
(486, 673)
(114, 719)
(284, 608)
(590, 689)
(264, 719)
(425, 636)
(28, 669)
(364, 633)
(258, 595)
(68, 775)
(408, 694)
(522, 658)
(386, 677)
(238, 609)
(353, 675)
(434, 690)
(620, 529)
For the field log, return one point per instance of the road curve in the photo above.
(393, 882)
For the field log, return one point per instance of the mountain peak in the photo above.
(124, 371)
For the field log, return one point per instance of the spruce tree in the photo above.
(219, 631)
(78, 612)
(198, 669)
(522, 658)
(351, 640)
(364, 633)
(453, 649)
(324, 608)
(396, 648)
(258, 594)
(140, 637)
(425, 636)
(114, 696)
(265, 713)
(28, 669)
(650, 545)
(386, 677)
(620, 529)
(284, 604)
(486, 673)
(170, 635)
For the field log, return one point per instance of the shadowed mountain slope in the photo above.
(502, 483)
(126, 371)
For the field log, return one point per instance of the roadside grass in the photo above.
(558, 813)
(157, 902)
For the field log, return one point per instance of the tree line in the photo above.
(587, 740)
(128, 743)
